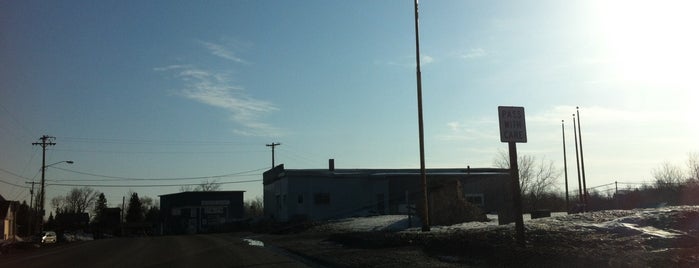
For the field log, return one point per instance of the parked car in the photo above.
(49, 237)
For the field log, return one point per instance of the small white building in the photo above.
(320, 194)
(8, 218)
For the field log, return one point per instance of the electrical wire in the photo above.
(161, 179)
(14, 174)
(148, 185)
(151, 142)
(155, 152)
(15, 185)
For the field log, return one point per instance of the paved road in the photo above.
(214, 250)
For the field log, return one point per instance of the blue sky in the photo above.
(166, 89)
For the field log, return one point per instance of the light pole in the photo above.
(42, 196)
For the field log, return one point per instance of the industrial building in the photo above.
(320, 194)
(200, 212)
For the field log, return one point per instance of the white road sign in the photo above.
(513, 128)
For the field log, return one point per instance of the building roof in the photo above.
(200, 192)
(5, 207)
(279, 172)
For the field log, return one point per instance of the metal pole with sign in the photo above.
(513, 129)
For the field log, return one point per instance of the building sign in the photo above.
(512, 125)
(213, 210)
(215, 202)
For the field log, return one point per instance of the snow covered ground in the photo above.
(657, 222)
(654, 237)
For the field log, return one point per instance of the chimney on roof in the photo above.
(331, 164)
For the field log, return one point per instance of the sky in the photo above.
(146, 96)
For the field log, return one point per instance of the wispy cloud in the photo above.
(222, 51)
(408, 61)
(478, 129)
(473, 53)
(217, 89)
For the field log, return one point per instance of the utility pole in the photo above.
(565, 164)
(577, 162)
(273, 145)
(31, 206)
(45, 142)
(582, 162)
(121, 222)
(423, 172)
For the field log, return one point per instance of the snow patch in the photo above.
(254, 243)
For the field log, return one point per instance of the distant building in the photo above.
(200, 212)
(8, 218)
(319, 194)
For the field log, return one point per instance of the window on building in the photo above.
(321, 198)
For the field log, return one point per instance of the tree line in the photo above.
(673, 184)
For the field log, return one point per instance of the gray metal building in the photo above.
(319, 194)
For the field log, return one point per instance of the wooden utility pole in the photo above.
(45, 142)
(565, 165)
(582, 161)
(423, 172)
(273, 145)
(577, 162)
(31, 206)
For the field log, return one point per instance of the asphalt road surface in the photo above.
(212, 250)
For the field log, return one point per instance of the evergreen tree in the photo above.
(100, 209)
(51, 223)
(134, 213)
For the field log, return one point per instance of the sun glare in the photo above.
(652, 42)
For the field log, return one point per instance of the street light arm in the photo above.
(65, 161)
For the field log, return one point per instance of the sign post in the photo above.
(513, 129)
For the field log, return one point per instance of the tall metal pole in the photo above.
(565, 164)
(423, 173)
(582, 161)
(577, 162)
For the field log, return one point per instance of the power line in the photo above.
(149, 185)
(155, 152)
(156, 179)
(13, 174)
(22, 126)
(151, 142)
(16, 185)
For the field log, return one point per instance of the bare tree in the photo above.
(186, 188)
(209, 186)
(254, 207)
(668, 175)
(693, 165)
(80, 199)
(77, 200)
(536, 178)
(58, 203)
(204, 186)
